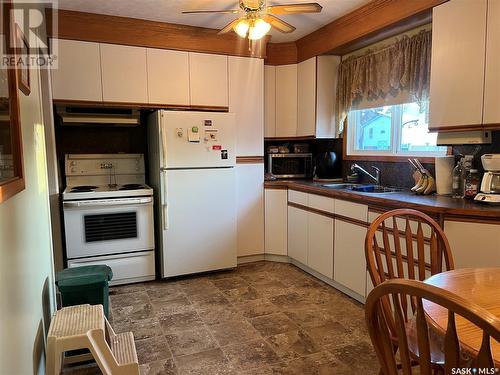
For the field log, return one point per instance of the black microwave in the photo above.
(290, 165)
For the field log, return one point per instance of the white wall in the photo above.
(26, 271)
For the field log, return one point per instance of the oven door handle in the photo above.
(107, 203)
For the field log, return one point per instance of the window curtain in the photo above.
(398, 73)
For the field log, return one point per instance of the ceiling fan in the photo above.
(256, 19)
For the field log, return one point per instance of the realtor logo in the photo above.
(24, 40)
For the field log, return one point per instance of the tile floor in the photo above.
(261, 318)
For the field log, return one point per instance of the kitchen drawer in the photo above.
(297, 197)
(351, 210)
(127, 268)
(322, 203)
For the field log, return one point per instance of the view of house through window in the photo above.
(392, 130)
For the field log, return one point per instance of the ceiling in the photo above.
(170, 11)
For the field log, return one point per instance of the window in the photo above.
(399, 130)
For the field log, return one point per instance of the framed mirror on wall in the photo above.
(11, 158)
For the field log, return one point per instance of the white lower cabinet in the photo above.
(473, 244)
(297, 234)
(349, 256)
(276, 222)
(320, 244)
(310, 234)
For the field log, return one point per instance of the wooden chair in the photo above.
(418, 251)
(397, 292)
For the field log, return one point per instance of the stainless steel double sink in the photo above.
(363, 188)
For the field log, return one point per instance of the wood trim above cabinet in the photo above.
(249, 159)
(102, 28)
(84, 103)
(362, 22)
(281, 53)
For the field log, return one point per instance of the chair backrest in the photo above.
(398, 290)
(406, 244)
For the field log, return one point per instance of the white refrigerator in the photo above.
(192, 169)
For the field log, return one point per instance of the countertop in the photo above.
(436, 204)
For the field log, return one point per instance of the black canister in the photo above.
(327, 165)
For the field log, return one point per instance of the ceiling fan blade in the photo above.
(229, 26)
(231, 11)
(294, 8)
(278, 24)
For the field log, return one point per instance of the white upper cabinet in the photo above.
(124, 74)
(316, 92)
(168, 77)
(269, 101)
(208, 80)
(327, 68)
(300, 99)
(246, 101)
(286, 100)
(78, 75)
(492, 78)
(458, 61)
(306, 97)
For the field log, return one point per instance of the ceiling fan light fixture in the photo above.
(242, 27)
(258, 29)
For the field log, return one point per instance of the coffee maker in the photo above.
(490, 185)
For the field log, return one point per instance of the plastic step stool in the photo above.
(85, 284)
(85, 327)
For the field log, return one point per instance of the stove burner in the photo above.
(131, 187)
(83, 188)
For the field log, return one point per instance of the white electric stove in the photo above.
(108, 215)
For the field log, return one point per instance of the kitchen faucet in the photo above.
(355, 167)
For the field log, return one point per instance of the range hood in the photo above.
(81, 116)
(464, 138)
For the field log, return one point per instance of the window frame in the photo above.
(394, 153)
(16, 184)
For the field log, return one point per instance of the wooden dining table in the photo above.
(478, 285)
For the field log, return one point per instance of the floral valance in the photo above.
(395, 74)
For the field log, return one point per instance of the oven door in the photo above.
(108, 226)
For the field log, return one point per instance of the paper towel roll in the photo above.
(444, 174)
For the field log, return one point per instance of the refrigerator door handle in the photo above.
(165, 216)
(164, 200)
(163, 141)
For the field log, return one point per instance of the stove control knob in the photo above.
(73, 170)
(73, 163)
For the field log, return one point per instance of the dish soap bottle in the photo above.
(458, 180)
